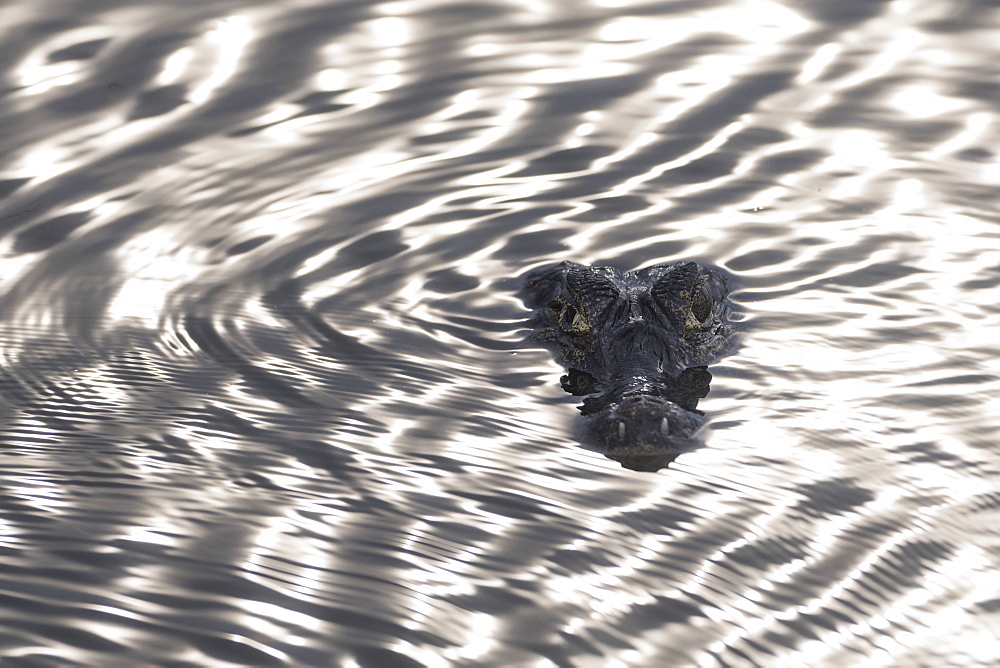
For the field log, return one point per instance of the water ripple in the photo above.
(266, 392)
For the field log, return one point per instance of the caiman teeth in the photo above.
(621, 430)
(665, 427)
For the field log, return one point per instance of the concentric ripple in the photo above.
(266, 395)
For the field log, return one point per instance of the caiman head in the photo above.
(636, 345)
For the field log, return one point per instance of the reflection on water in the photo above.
(266, 389)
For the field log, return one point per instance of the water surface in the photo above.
(266, 394)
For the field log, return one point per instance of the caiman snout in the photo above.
(644, 423)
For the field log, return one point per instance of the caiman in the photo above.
(636, 346)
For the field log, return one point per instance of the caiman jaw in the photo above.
(642, 423)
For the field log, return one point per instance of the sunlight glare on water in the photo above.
(268, 392)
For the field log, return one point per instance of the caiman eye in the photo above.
(573, 321)
(701, 305)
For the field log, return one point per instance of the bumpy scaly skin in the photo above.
(636, 343)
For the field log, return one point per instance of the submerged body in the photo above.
(636, 345)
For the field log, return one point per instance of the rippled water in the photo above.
(267, 394)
